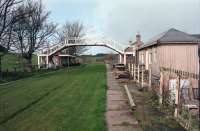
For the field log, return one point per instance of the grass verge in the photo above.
(63, 101)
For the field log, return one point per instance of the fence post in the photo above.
(161, 87)
(150, 78)
(128, 67)
(132, 70)
(177, 98)
(142, 69)
(138, 80)
(191, 93)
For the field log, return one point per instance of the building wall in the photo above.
(174, 56)
(130, 58)
(148, 57)
(180, 57)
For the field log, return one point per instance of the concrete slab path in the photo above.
(118, 114)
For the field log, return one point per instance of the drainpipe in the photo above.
(199, 61)
(120, 58)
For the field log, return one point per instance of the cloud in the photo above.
(122, 19)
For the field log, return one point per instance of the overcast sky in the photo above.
(122, 19)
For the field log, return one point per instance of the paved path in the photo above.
(118, 114)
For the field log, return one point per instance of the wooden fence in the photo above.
(154, 82)
(139, 74)
(157, 83)
(185, 95)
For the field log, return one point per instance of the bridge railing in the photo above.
(85, 41)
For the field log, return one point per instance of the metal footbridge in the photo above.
(69, 42)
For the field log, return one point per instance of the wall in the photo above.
(182, 57)
(148, 57)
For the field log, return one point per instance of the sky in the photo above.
(121, 20)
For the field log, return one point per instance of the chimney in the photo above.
(130, 42)
(138, 38)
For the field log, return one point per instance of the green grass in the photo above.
(11, 61)
(63, 101)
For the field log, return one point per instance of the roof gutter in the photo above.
(170, 42)
(174, 42)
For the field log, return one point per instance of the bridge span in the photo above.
(52, 54)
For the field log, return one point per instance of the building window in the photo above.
(150, 58)
(142, 58)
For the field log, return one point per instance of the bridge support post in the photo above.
(124, 58)
(38, 62)
(120, 58)
(47, 61)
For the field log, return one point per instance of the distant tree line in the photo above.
(25, 28)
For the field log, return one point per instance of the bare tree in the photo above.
(5, 10)
(7, 7)
(32, 31)
(71, 30)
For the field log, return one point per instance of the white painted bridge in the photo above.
(47, 55)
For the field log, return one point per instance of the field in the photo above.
(67, 100)
(11, 61)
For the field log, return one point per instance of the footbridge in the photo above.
(51, 54)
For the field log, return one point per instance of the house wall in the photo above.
(149, 58)
(174, 56)
(181, 57)
(130, 54)
(130, 58)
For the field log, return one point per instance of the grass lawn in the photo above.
(63, 101)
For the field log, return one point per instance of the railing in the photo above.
(181, 73)
(139, 74)
(146, 76)
(85, 41)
